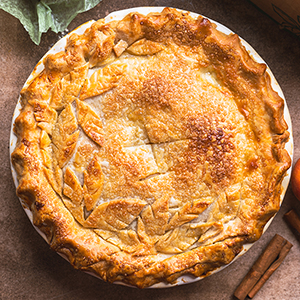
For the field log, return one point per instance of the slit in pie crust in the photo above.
(151, 148)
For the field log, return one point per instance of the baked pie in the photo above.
(150, 148)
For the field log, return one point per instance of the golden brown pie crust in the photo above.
(152, 147)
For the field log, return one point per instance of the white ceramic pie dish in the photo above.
(118, 15)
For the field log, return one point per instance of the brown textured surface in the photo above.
(30, 270)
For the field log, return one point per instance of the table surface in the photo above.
(30, 270)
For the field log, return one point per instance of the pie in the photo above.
(150, 148)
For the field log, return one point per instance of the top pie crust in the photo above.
(152, 147)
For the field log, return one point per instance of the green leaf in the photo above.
(44, 14)
(38, 16)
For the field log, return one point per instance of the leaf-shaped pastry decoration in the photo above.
(90, 122)
(183, 237)
(54, 176)
(227, 204)
(46, 156)
(84, 152)
(68, 88)
(126, 240)
(97, 85)
(189, 212)
(64, 136)
(145, 47)
(72, 187)
(213, 229)
(41, 86)
(102, 81)
(156, 216)
(117, 213)
(46, 152)
(76, 211)
(114, 70)
(146, 247)
(45, 141)
(93, 183)
(177, 240)
(120, 47)
(44, 115)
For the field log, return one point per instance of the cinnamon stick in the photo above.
(285, 250)
(269, 255)
(293, 220)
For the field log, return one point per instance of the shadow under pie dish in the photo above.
(150, 146)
